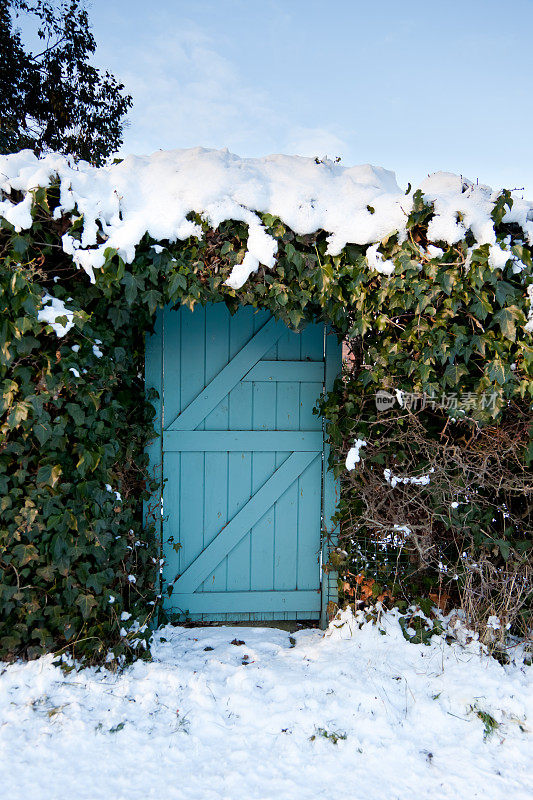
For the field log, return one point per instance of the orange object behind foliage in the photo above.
(363, 590)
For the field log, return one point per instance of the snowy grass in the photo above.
(281, 716)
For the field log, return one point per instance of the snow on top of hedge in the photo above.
(155, 194)
(52, 310)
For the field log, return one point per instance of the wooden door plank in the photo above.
(171, 363)
(242, 522)
(308, 527)
(192, 356)
(192, 497)
(218, 388)
(263, 466)
(286, 512)
(242, 440)
(192, 506)
(237, 560)
(172, 505)
(216, 513)
(217, 355)
(242, 330)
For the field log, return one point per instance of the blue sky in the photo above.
(411, 86)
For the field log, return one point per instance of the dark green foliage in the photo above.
(66, 542)
(54, 99)
(449, 333)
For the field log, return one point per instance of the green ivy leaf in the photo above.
(506, 320)
(176, 283)
(504, 291)
(152, 298)
(86, 603)
(42, 432)
(49, 474)
(76, 412)
(504, 547)
(18, 414)
(496, 371)
(130, 283)
(454, 372)
(25, 553)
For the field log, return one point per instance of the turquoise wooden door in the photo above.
(241, 458)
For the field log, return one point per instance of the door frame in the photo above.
(153, 508)
(331, 491)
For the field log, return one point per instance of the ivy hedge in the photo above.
(79, 569)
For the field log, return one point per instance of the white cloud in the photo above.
(277, 77)
(315, 142)
(189, 93)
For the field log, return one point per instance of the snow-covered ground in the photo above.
(242, 713)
